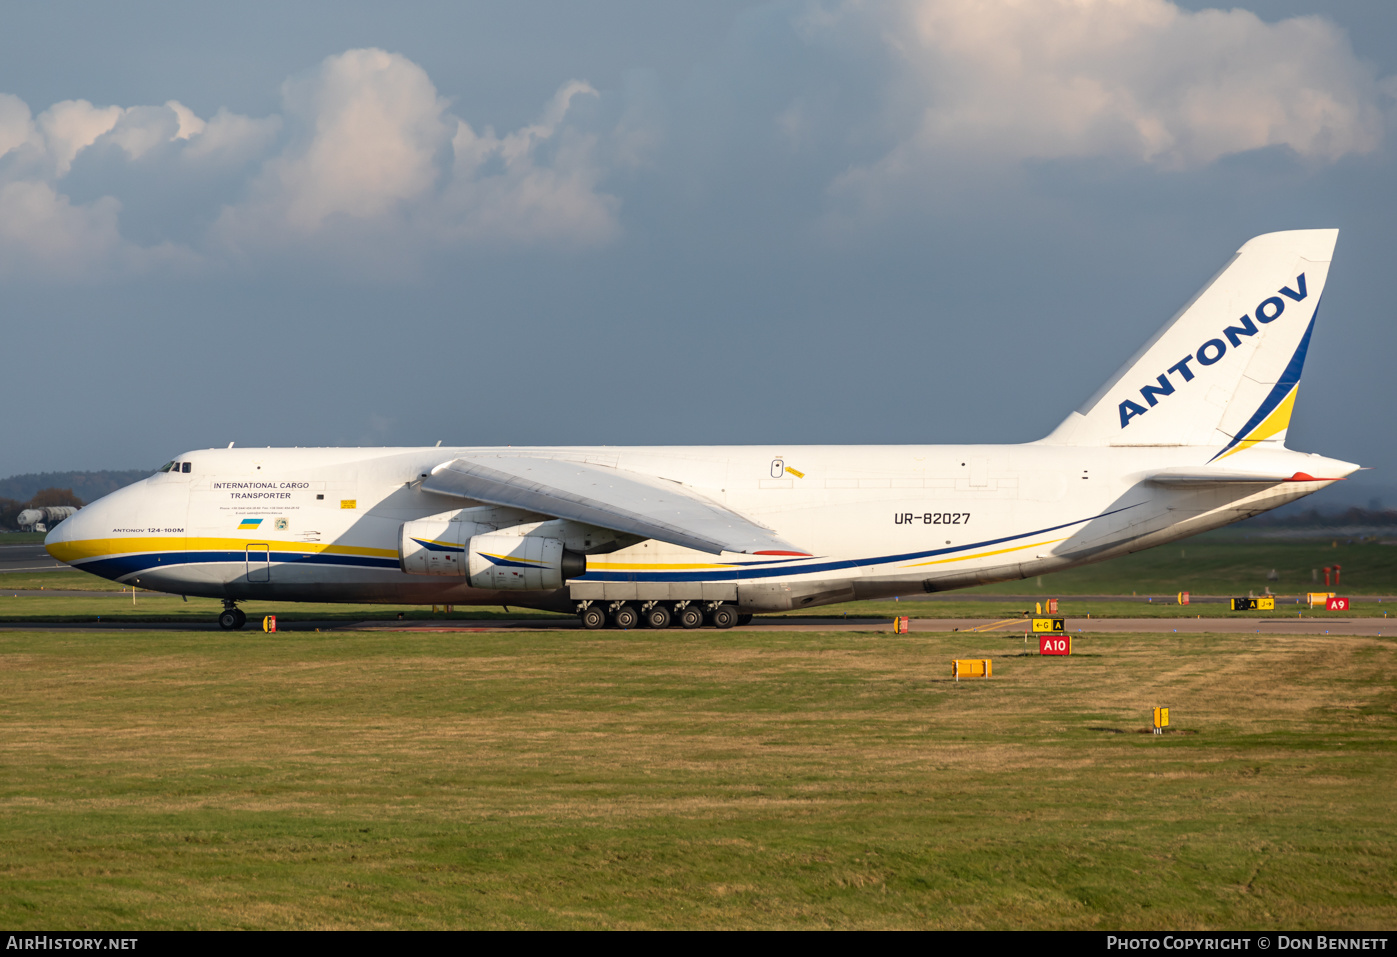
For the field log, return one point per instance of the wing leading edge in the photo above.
(611, 498)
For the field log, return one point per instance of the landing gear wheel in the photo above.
(625, 617)
(231, 619)
(691, 616)
(593, 618)
(658, 617)
(724, 616)
(744, 620)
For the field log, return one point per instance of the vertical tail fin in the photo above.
(1223, 372)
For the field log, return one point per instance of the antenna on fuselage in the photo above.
(230, 445)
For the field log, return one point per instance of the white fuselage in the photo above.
(323, 524)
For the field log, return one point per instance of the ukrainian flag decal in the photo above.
(250, 524)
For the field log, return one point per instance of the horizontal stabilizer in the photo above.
(612, 498)
(1199, 477)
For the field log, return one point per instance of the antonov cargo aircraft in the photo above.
(1188, 436)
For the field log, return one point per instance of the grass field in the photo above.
(22, 538)
(693, 779)
(155, 607)
(74, 581)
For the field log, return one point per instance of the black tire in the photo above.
(231, 619)
(744, 620)
(592, 618)
(625, 617)
(691, 616)
(659, 617)
(724, 616)
(242, 617)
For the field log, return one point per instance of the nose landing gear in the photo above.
(232, 617)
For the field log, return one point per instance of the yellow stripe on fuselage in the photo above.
(999, 551)
(107, 547)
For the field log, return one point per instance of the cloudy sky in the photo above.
(636, 223)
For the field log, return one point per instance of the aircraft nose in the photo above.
(75, 528)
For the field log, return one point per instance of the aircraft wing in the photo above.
(612, 498)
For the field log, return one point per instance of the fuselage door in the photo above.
(259, 563)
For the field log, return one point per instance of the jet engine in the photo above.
(432, 547)
(523, 563)
(515, 559)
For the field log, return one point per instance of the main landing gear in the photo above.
(232, 617)
(659, 614)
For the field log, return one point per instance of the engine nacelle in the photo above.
(431, 547)
(521, 563)
(519, 559)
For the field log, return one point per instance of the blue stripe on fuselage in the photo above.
(122, 565)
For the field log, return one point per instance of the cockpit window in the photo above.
(185, 468)
(167, 466)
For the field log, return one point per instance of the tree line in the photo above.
(41, 489)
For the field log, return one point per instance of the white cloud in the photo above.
(140, 129)
(229, 138)
(70, 127)
(366, 163)
(189, 123)
(16, 123)
(37, 223)
(373, 125)
(526, 199)
(42, 230)
(1140, 80)
(375, 148)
